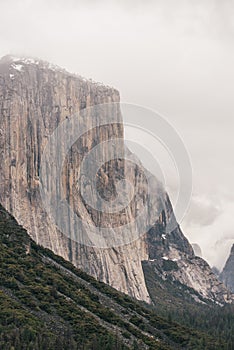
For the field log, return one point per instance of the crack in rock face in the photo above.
(36, 98)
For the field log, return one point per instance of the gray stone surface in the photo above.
(34, 98)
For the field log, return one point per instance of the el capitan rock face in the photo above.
(35, 98)
(227, 275)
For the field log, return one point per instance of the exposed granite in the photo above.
(34, 98)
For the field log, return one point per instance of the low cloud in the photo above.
(216, 234)
(203, 211)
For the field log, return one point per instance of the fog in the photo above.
(174, 57)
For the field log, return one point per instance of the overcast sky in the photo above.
(172, 56)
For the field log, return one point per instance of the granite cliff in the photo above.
(35, 98)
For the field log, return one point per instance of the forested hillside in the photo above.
(46, 303)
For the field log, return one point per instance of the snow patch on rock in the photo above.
(18, 67)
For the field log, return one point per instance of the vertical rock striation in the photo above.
(35, 98)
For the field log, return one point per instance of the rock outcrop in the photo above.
(35, 98)
(227, 275)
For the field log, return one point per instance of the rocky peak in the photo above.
(227, 275)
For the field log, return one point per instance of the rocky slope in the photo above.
(35, 98)
(227, 275)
